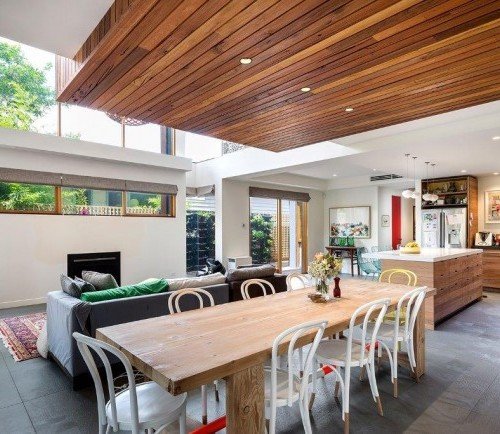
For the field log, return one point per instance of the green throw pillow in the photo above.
(149, 286)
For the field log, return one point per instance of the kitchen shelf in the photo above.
(455, 205)
(449, 193)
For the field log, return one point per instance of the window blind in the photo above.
(269, 193)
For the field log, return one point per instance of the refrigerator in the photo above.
(446, 227)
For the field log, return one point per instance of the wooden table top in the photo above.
(187, 350)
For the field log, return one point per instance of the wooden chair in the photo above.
(296, 281)
(174, 307)
(391, 334)
(282, 387)
(261, 283)
(348, 353)
(138, 408)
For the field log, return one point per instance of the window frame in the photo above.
(56, 201)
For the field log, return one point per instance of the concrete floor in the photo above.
(459, 394)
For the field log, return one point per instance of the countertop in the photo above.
(426, 254)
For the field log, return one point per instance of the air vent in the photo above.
(384, 177)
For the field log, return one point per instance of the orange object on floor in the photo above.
(211, 427)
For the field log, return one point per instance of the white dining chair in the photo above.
(264, 285)
(137, 408)
(391, 334)
(174, 307)
(347, 353)
(282, 386)
(296, 280)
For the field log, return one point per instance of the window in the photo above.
(150, 204)
(81, 201)
(200, 231)
(27, 198)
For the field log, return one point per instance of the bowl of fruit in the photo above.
(411, 247)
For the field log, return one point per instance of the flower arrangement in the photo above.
(324, 268)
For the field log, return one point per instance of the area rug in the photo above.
(20, 333)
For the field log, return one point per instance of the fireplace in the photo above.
(105, 262)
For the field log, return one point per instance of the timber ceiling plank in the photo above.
(177, 63)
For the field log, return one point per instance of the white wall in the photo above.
(484, 184)
(34, 247)
(232, 229)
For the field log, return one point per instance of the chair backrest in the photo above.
(173, 301)
(290, 337)
(408, 277)
(412, 300)
(84, 344)
(366, 310)
(261, 283)
(374, 249)
(296, 281)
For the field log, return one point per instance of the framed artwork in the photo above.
(492, 206)
(386, 221)
(350, 222)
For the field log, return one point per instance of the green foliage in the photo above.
(24, 93)
(200, 238)
(27, 197)
(261, 226)
(74, 196)
(155, 201)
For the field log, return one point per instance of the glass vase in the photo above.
(322, 286)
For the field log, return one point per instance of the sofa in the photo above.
(67, 314)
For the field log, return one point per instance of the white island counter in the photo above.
(455, 273)
(425, 255)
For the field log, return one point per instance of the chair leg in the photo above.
(346, 423)
(301, 362)
(216, 385)
(362, 373)
(373, 385)
(337, 384)
(304, 413)
(204, 405)
(267, 426)
(182, 421)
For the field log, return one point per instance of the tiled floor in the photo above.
(459, 394)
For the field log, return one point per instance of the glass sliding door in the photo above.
(278, 233)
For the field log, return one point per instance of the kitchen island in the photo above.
(456, 274)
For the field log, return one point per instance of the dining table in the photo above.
(232, 341)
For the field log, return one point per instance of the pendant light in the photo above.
(434, 197)
(427, 196)
(415, 193)
(407, 194)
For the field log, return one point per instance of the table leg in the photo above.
(419, 342)
(352, 263)
(245, 401)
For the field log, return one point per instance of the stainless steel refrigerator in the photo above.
(446, 227)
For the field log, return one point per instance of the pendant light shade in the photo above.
(407, 194)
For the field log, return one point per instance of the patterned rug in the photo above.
(20, 333)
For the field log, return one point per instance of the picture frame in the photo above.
(354, 221)
(492, 206)
(385, 221)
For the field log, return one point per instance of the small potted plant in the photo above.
(324, 268)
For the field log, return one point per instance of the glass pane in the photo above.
(150, 204)
(27, 88)
(91, 125)
(200, 148)
(143, 137)
(82, 201)
(263, 230)
(291, 235)
(200, 232)
(27, 198)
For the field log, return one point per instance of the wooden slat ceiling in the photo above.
(177, 63)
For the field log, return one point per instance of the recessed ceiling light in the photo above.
(374, 170)
(336, 174)
(349, 109)
(495, 173)
(495, 138)
(463, 171)
(305, 89)
(245, 61)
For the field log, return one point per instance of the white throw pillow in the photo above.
(42, 345)
(196, 282)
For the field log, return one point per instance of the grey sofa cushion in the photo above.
(196, 282)
(84, 285)
(100, 281)
(69, 286)
(266, 270)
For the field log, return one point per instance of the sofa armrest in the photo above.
(65, 315)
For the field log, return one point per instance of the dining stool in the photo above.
(262, 284)
(282, 386)
(390, 335)
(348, 353)
(138, 408)
(174, 307)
